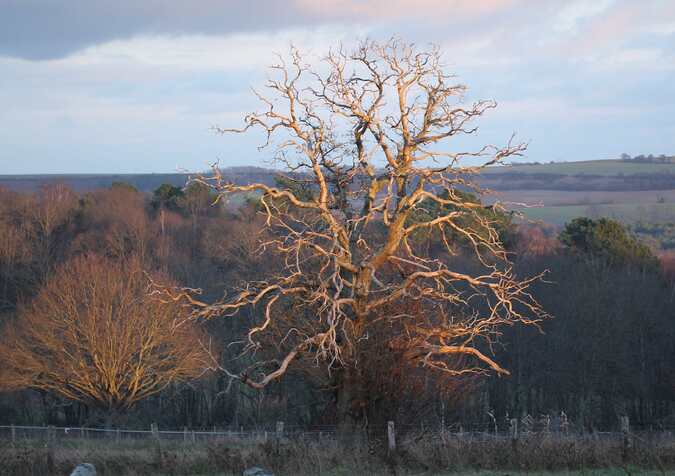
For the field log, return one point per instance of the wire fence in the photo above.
(19, 433)
(57, 434)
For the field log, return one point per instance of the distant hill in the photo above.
(632, 191)
(143, 182)
(634, 174)
(605, 168)
(635, 191)
(592, 175)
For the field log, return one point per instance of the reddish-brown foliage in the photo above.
(93, 334)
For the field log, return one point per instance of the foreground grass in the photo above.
(592, 472)
(420, 456)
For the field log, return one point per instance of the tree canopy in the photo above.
(94, 334)
(363, 139)
(608, 240)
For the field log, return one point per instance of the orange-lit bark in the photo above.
(367, 131)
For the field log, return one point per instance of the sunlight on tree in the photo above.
(361, 137)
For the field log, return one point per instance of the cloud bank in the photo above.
(98, 86)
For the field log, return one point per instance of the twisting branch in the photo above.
(368, 134)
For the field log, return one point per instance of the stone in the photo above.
(255, 471)
(84, 469)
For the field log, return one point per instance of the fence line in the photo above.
(516, 430)
(53, 433)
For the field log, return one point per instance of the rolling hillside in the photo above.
(142, 182)
(629, 190)
(593, 175)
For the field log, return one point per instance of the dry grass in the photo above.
(418, 456)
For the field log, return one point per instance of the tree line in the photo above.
(608, 350)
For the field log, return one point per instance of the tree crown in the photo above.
(366, 133)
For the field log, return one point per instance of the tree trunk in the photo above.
(112, 418)
(351, 407)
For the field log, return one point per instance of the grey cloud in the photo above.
(50, 29)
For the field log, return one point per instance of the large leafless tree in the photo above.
(366, 138)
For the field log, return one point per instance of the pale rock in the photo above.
(255, 471)
(84, 469)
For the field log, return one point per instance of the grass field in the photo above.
(624, 212)
(590, 167)
(418, 454)
(557, 207)
(589, 472)
(550, 198)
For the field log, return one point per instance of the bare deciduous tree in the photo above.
(93, 334)
(16, 239)
(53, 203)
(362, 138)
(119, 225)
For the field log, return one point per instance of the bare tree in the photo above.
(17, 234)
(362, 138)
(54, 206)
(54, 202)
(117, 223)
(93, 334)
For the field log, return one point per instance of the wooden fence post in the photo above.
(391, 437)
(13, 434)
(49, 445)
(527, 425)
(625, 424)
(513, 428)
(118, 435)
(443, 420)
(494, 421)
(564, 423)
(185, 434)
(158, 447)
(627, 439)
(546, 420)
(279, 434)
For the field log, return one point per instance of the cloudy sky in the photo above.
(97, 86)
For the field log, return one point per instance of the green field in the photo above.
(591, 167)
(624, 212)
